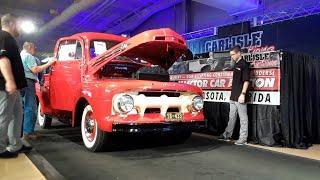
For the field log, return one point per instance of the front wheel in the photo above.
(93, 138)
(44, 120)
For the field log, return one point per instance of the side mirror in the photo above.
(71, 54)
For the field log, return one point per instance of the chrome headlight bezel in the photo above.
(197, 103)
(124, 104)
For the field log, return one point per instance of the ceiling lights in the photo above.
(28, 27)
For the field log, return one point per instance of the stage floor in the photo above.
(148, 157)
(312, 152)
(20, 168)
(60, 154)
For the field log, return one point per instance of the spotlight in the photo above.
(28, 27)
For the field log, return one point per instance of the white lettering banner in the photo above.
(256, 97)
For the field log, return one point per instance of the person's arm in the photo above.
(6, 71)
(245, 87)
(38, 69)
(242, 96)
(5, 67)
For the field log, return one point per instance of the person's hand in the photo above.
(51, 61)
(11, 87)
(43, 89)
(241, 98)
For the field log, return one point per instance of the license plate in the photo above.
(174, 116)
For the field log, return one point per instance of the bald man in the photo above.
(32, 67)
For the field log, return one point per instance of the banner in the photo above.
(256, 97)
(222, 62)
(304, 39)
(260, 79)
(264, 77)
(263, 59)
(224, 44)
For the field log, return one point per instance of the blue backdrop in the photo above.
(299, 35)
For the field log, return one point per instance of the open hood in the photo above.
(158, 47)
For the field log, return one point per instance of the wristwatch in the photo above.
(3, 53)
(243, 93)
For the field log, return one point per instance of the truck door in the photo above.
(65, 81)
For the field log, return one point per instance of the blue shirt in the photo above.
(29, 61)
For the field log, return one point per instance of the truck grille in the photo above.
(159, 93)
(157, 110)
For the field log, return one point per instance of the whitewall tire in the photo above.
(43, 120)
(93, 138)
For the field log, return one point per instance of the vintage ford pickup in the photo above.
(108, 84)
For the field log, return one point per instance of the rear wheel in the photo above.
(43, 119)
(93, 138)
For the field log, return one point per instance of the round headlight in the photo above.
(197, 103)
(125, 103)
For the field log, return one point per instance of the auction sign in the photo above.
(264, 83)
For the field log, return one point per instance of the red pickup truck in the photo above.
(108, 84)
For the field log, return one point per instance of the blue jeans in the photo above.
(29, 102)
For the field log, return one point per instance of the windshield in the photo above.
(98, 47)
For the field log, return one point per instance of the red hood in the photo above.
(159, 47)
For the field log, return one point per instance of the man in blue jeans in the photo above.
(32, 67)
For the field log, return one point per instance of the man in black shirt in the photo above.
(239, 97)
(12, 79)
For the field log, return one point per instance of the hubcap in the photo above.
(90, 125)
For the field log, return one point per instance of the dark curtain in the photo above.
(296, 122)
(217, 115)
(264, 127)
(300, 100)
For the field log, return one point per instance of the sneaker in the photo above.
(240, 142)
(24, 149)
(8, 154)
(223, 138)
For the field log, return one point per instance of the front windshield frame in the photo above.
(109, 45)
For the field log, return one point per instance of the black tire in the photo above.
(47, 122)
(103, 142)
(97, 141)
(44, 120)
